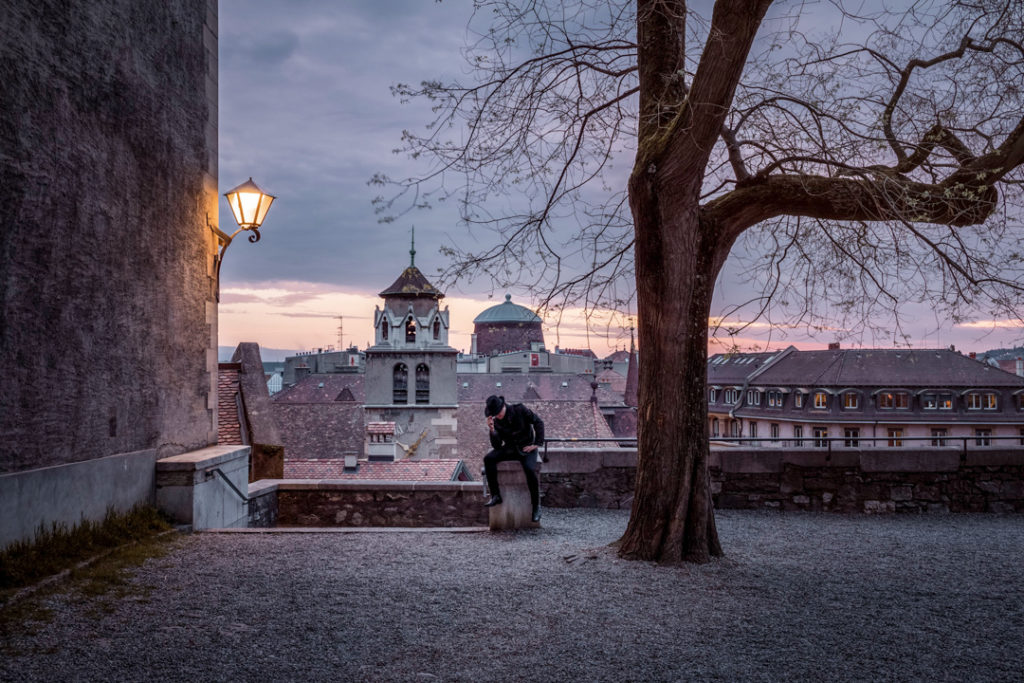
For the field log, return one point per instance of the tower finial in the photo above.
(412, 251)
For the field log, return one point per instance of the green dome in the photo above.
(507, 312)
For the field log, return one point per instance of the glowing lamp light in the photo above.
(249, 204)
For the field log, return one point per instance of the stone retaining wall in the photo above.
(295, 502)
(847, 480)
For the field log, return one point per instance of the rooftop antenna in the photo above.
(412, 251)
(341, 329)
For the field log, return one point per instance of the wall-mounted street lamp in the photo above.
(249, 205)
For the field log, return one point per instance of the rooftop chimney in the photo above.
(973, 355)
(833, 346)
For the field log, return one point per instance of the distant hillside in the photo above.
(224, 354)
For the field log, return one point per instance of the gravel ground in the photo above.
(798, 597)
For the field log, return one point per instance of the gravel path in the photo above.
(799, 597)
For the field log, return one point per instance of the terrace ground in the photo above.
(799, 596)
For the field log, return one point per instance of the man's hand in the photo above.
(490, 423)
(529, 449)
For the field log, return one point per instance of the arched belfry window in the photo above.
(437, 328)
(410, 330)
(384, 328)
(422, 383)
(400, 384)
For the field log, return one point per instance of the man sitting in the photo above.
(516, 432)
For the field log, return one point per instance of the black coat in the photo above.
(519, 428)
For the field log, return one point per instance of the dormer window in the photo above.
(712, 395)
(753, 397)
(982, 400)
(851, 400)
(384, 329)
(798, 400)
(890, 400)
(775, 399)
(820, 400)
(731, 395)
(941, 400)
(437, 329)
(410, 330)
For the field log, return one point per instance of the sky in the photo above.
(305, 109)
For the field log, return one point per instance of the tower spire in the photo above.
(412, 251)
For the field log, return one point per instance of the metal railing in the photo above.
(965, 443)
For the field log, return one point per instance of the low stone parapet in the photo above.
(327, 503)
(841, 480)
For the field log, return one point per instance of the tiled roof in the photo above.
(514, 386)
(400, 470)
(614, 380)
(325, 388)
(620, 356)
(412, 283)
(884, 368)
(734, 368)
(229, 430)
(562, 419)
(320, 431)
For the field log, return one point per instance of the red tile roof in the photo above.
(229, 430)
(400, 470)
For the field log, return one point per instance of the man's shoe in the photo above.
(494, 500)
(536, 514)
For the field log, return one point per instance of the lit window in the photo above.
(900, 400)
(939, 436)
(981, 437)
(798, 400)
(851, 437)
(982, 401)
(821, 437)
(410, 330)
(775, 399)
(820, 400)
(946, 401)
(895, 437)
(850, 400)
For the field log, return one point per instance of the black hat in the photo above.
(494, 405)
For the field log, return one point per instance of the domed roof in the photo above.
(507, 312)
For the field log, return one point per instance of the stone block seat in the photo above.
(515, 511)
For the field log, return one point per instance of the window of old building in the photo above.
(400, 384)
(851, 400)
(410, 330)
(895, 437)
(939, 435)
(820, 400)
(422, 383)
(798, 435)
(774, 429)
(820, 437)
(982, 437)
(851, 437)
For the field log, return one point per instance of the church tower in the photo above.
(410, 369)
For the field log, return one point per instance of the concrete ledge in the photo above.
(191, 490)
(906, 460)
(580, 460)
(373, 485)
(753, 463)
(994, 458)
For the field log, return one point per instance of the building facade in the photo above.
(852, 398)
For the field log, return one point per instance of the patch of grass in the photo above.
(58, 548)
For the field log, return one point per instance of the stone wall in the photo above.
(108, 315)
(847, 480)
(388, 504)
(107, 176)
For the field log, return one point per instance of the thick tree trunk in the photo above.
(677, 260)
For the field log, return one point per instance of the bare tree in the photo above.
(845, 152)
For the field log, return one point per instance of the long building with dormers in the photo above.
(851, 398)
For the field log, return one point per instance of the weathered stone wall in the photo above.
(107, 175)
(401, 504)
(848, 480)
